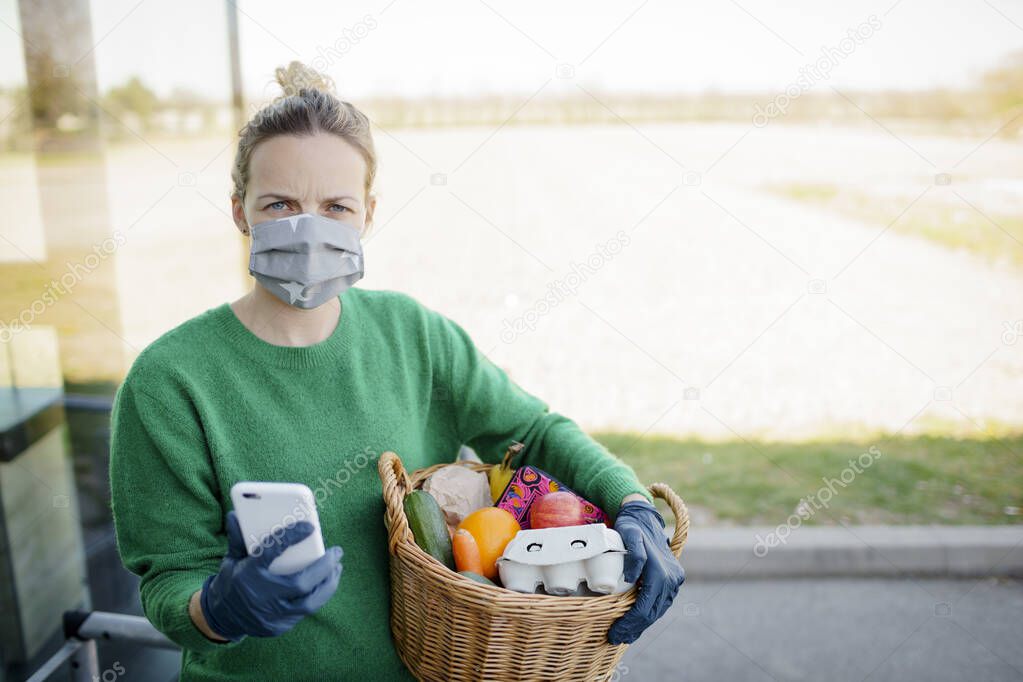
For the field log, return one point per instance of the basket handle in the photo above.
(396, 485)
(679, 510)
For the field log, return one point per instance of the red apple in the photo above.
(557, 509)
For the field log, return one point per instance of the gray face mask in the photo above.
(305, 260)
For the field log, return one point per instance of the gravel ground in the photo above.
(782, 319)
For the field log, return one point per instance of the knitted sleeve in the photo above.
(168, 521)
(490, 411)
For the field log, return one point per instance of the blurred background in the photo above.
(740, 244)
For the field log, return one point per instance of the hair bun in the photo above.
(296, 76)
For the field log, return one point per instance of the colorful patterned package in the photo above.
(529, 484)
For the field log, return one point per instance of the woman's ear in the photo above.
(238, 213)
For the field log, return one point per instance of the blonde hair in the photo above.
(309, 104)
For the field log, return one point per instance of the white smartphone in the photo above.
(266, 508)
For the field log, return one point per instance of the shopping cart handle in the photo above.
(103, 625)
(83, 628)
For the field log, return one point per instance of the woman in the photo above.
(309, 379)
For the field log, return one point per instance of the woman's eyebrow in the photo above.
(273, 195)
(344, 196)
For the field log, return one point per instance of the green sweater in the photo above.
(209, 403)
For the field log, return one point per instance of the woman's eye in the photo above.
(341, 207)
(281, 205)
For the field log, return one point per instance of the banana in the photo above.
(502, 473)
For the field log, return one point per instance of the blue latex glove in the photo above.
(650, 561)
(245, 598)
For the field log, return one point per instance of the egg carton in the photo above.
(560, 560)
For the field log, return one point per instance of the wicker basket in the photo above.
(448, 627)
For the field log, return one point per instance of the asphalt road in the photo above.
(835, 629)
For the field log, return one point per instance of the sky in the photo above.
(474, 47)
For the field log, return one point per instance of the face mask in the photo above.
(305, 260)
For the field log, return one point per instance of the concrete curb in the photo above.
(854, 551)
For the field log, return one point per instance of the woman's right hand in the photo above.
(245, 598)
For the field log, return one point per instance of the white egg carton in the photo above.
(560, 560)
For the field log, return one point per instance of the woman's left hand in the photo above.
(650, 561)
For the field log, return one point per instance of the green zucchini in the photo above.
(477, 577)
(426, 520)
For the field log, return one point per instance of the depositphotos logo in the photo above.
(810, 505)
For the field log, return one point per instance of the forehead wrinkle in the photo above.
(290, 195)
